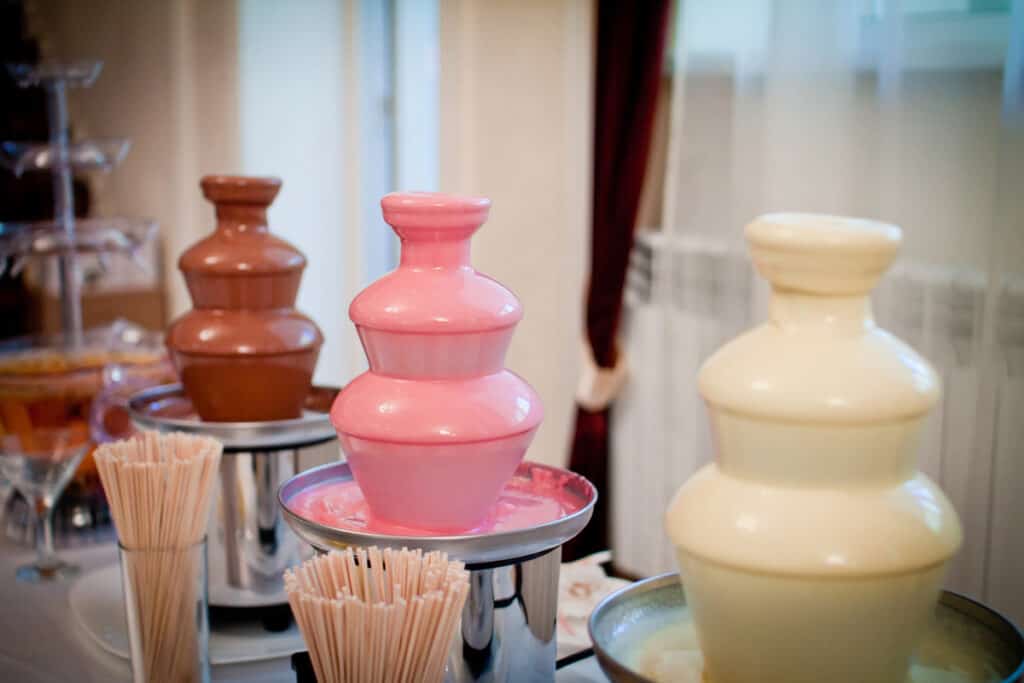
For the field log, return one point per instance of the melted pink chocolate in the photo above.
(523, 503)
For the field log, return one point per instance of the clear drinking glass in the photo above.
(39, 466)
(47, 389)
(166, 608)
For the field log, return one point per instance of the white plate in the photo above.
(98, 605)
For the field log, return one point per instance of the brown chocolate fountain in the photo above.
(246, 360)
(243, 352)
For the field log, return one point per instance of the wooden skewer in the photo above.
(160, 488)
(371, 616)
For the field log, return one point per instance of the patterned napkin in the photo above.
(581, 585)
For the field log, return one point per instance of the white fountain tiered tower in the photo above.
(812, 549)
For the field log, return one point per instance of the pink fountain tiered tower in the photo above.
(437, 425)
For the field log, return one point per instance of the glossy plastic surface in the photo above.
(244, 353)
(813, 526)
(437, 426)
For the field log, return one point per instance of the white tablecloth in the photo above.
(41, 643)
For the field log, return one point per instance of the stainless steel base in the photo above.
(964, 635)
(508, 623)
(250, 545)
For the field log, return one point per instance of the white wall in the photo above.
(316, 91)
(168, 84)
(291, 80)
(417, 94)
(516, 84)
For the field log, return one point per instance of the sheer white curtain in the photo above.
(908, 112)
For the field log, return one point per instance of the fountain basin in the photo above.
(644, 634)
(434, 454)
(443, 487)
(508, 623)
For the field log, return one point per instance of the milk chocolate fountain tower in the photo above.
(246, 359)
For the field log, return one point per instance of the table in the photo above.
(41, 643)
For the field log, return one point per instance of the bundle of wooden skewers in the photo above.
(378, 616)
(159, 488)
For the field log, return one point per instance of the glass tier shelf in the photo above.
(81, 73)
(21, 241)
(88, 155)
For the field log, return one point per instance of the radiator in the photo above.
(685, 297)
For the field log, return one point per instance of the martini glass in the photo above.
(39, 466)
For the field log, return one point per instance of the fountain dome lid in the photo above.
(242, 246)
(435, 289)
(820, 253)
(430, 211)
(820, 358)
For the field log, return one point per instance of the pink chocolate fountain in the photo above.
(435, 435)
(437, 425)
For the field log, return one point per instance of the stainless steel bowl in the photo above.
(473, 549)
(166, 408)
(627, 620)
(508, 623)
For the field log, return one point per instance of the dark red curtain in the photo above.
(631, 39)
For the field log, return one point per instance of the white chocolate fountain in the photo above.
(812, 549)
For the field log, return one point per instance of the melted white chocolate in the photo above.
(672, 655)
